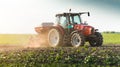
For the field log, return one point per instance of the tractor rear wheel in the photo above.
(77, 39)
(54, 38)
(97, 40)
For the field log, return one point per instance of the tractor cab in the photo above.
(68, 20)
(73, 21)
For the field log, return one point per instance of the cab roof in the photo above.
(65, 14)
(73, 14)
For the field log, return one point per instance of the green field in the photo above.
(14, 39)
(21, 39)
(111, 38)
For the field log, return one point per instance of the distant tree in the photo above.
(109, 32)
(113, 32)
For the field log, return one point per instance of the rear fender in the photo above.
(60, 29)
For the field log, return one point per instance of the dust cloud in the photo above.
(39, 40)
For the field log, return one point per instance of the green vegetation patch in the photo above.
(111, 38)
(14, 39)
(31, 57)
(21, 39)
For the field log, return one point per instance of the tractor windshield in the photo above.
(75, 19)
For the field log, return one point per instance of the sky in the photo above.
(21, 16)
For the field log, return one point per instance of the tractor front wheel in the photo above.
(97, 40)
(77, 39)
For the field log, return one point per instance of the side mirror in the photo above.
(88, 13)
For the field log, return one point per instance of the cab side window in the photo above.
(63, 22)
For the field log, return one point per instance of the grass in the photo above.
(14, 39)
(21, 39)
(111, 38)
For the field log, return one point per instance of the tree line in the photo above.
(110, 32)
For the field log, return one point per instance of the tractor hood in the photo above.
(86, 29)
(82, 26)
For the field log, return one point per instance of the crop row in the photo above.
(64, 55)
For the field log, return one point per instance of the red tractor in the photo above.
(69, 30)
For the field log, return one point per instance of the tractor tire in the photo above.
(97, 40)
(55, 38)
(77, 39)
